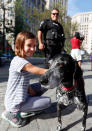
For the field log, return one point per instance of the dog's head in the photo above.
(63, 69)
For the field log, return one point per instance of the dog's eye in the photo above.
(60, 65)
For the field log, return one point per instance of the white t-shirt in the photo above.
(17, 87)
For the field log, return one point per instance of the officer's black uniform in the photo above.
(54, 38)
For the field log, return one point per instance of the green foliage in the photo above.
(36, 17)
(19, 17)
(68, 45)
(19, 10)
(74, 28)
(67, 28)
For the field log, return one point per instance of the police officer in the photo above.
(51, 31)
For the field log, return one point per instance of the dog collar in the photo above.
(67, 89)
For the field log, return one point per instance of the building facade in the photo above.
(84, 21)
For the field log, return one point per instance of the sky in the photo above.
(78, 6)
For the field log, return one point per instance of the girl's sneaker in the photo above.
(28, 114)
(14, 119)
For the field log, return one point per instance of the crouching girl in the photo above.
(21, 98)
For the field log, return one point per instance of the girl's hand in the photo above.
(41, 46)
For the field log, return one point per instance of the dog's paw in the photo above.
(59, 127)
(83, 128)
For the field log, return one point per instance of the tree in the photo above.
(74, 27)
(19, 16)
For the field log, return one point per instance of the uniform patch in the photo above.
(42, 22)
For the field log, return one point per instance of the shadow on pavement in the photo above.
(4, 71)
(86, 70)
(51, 112)
(89, 98)
(76, 122)
(88, 77)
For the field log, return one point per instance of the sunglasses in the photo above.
(55, 14)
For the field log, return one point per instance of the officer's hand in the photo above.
(41, 46)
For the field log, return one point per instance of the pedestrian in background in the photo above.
(51, 35)
(23, 98)
(76, 43)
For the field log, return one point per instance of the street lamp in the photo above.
(2, 6)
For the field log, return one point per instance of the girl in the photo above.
(19, 100)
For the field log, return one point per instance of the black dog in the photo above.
(65, 74)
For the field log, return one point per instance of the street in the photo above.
(47, 120)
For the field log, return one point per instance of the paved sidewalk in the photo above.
(47, 120)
